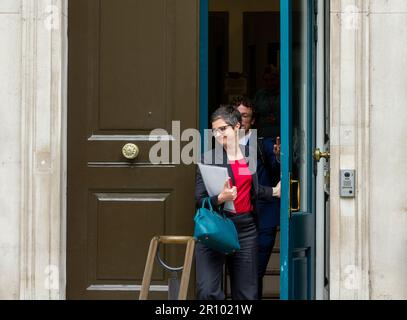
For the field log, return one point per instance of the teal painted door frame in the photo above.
(203, 69)
(297, 242)
(286, 139)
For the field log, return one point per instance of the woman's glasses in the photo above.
(220, 130)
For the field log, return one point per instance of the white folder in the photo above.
(214, 179)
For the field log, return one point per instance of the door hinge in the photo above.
(316, 33)
(316, 7)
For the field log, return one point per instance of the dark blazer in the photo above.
(218, 157)
(268, 172)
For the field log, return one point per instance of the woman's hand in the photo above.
(228, 194)
(277, 190)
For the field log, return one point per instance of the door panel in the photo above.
(144, 63)
(116, 222)
(298, 112)
(132, 69)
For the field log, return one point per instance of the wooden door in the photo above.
(298, 142)
(132, 68)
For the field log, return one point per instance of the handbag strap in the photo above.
(209, 203)
(222, 212)
(208, 200)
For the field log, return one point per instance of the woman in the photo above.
(245, 190)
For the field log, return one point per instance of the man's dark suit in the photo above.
(268, 171)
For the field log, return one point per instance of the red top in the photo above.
(243, 180)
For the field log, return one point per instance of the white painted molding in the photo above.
(350, 148)
(43, 34)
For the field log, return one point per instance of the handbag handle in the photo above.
(208, 200)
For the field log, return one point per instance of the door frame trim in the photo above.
(286, 100)
(322, 107)
(43, 202)
(203, 69)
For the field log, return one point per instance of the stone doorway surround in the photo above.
(35, 268)
(350, 132)
(42, 253)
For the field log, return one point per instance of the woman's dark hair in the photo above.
(229, 114)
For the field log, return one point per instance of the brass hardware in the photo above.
(298, 195)
(318, 155)
(130, 151)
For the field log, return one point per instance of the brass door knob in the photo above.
(318, 155)
(130, 151)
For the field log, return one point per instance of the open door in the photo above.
(297, 135)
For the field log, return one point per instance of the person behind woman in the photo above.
(242, 266)
(267, 103)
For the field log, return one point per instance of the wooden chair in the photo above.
(186, 269)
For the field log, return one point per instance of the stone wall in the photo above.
(33, 95)
(368, 133)
(10, 146)
(388, 154)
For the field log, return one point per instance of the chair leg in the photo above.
(148, 271)
(186, 272)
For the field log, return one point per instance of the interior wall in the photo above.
(236, 9)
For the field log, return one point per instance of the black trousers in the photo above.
(242, 265)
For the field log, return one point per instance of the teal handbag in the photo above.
(215, 230)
